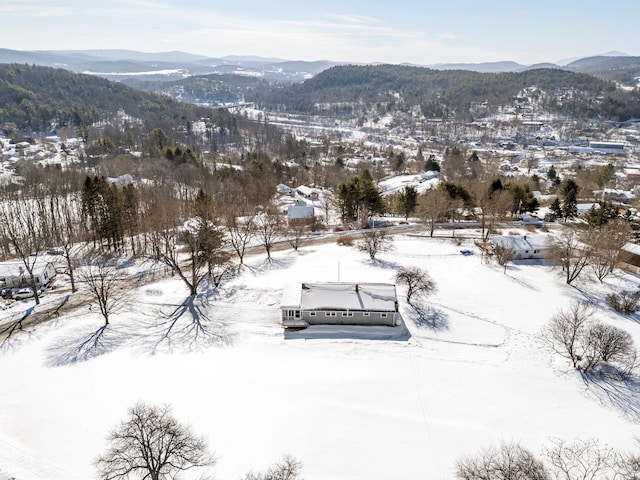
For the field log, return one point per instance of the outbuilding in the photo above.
(340, 304)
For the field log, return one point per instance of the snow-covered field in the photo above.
(401, 403)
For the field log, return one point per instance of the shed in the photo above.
(340, 304)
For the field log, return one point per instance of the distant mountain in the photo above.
(126, 65)
(614, 66)
(165, 66)
(111, 55)
(251, 59)
(486, 67)
(622, 69)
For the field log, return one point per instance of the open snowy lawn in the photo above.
(465, 370)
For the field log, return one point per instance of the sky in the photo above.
(421, 32)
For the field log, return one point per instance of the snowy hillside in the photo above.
(467, 371)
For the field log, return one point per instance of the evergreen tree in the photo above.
(432, 165)
(599, 216)
(406, 201)
(523, 198)
(359, 198)
(556, 208)
(569, 192)
(397, 162)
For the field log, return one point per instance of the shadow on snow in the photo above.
(399, 333)
(187, 327)
(89, 344)
(621, 394)
(427, 317)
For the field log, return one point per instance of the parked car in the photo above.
(22, 293)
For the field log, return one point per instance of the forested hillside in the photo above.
(625, 70)
(451, 93)
(40, 98)
(211, 89)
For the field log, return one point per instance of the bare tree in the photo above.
(629, 465)
(433, 207)
(566, 329)
(606, 244)
(287, 469)
(103, 278)
(625, 301)
(374, 241)
(609, 344)
(582, 460)
(296, 234)
(588, 343)
(66, 216)
(496, 209)
(269, 227)
(504, 255)
(22, 228)
(326, 204)
(200, 240)
(417, 280)
(241, 229)
(152, 444)
(508, 461)
(572, 253)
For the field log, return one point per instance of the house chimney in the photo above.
(356, 287)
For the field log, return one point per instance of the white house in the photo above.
(307, 192)
(339, 304)
(525, 247)
(300, 213)
(13, 274)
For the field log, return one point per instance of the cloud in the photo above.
(446, 36)
(352, 19)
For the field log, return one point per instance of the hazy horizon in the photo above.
(407, 31)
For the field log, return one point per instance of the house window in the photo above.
(347, 314)
(297, 313)
(383, 315)
(365, 314)
(312, 314)
(329, 314)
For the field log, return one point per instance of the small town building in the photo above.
(629, 258)
(300, 213)
(14, 274)
(525, 247)
(339, 304)
(307, 192)
(607, 147)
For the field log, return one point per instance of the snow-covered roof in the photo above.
(300, 211)
(16, 268)
(348, 296)
(632, 248)
(521, 243)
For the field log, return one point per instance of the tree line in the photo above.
(449, 93)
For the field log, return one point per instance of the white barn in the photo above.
(340, 304)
